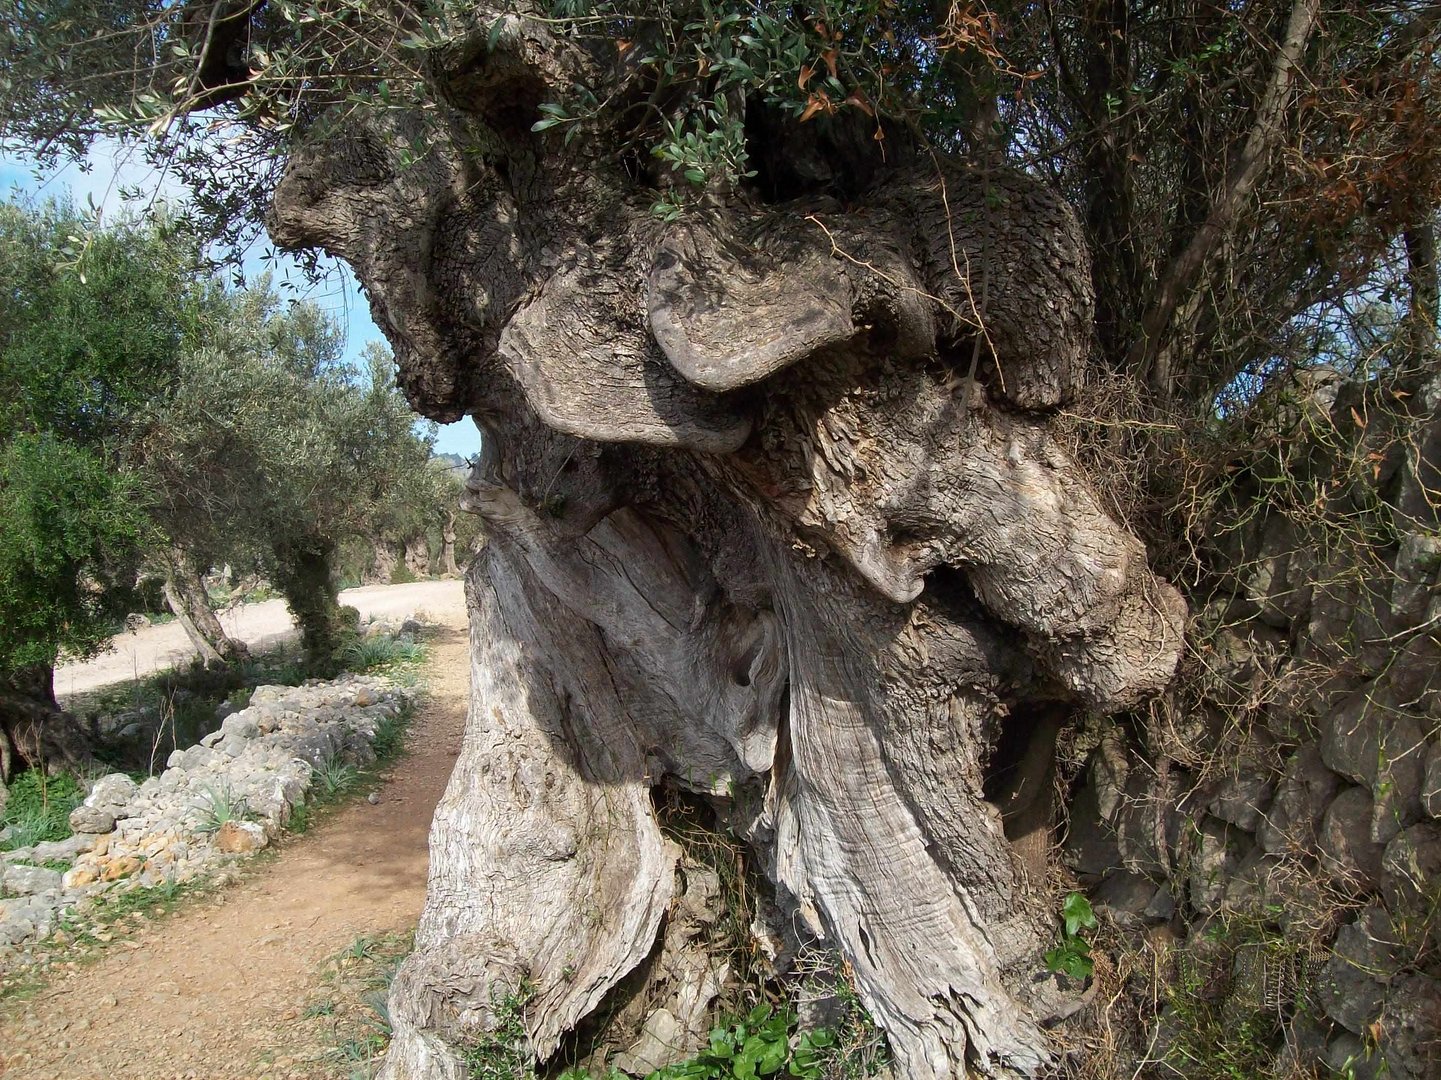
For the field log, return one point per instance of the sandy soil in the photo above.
(216, 992)
(259, 625)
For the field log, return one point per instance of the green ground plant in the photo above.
(1072, 955)
(380, 653)
(350, 1002)
(505, 1053)
(334, 775)
(39, 808)
(221, 807)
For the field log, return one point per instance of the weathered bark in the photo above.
(304, 575)
(34, 731)
(186, 595)
(754, 530)
(383, 563)
(447, 544)
(417, 556)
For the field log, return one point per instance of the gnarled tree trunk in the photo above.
(34, 731)
(447, 543)
(775, 515)
(417, 556)
(304, 573)
(186, 595)
(383, 563)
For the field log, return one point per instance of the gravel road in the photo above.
(260, 626)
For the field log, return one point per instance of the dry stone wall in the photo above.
(253, 772)
(1278, 823)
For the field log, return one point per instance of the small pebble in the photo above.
(373, 799)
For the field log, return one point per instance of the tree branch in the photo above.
(1147, 359)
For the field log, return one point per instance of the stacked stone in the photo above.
(1300, 799)
(130, 835)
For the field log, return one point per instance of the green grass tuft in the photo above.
(39, 808)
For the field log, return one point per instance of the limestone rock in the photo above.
(90, 819)
(240, 837)
(1382, 749)
(1411, 870)
(113, 792)
(1352, 988)
(1347, 851)
(1218, 852)
(121, 867)
(62, 850)
(1305, 790)
(1411, 1044)
(27, 880)
(1431, 783)
(78, 877)
(661, 1043)
(1241, 799)
(242, 724)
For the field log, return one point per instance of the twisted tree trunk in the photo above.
(447, 544)
(417, 556)
(383, 563)
(34, 731)
(186, 594)
(776, 516)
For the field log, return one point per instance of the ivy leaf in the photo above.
(1077, 913)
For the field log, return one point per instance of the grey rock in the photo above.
(112, 792)
(1365, 956)
(1417, 558)
(411, 628)
(213, 738)
(1411, 870)
(242, 724)
(662, 1042)
(1381, 749)
(1411, 1043)
(1242, 798)
(1344, 842)
(198, 757)
(1090, 847)
(61, 850)
(1430, 783)
(1219, 851)
(269, 695)
(1127, 896)
(1305, 790)
(1305, 1045)
(1149, 823)
(233, 745)
(28, 880)
(91, 819)
(1347, 1056)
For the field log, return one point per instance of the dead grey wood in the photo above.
(754, 531)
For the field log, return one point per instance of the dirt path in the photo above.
(216, 992)
(260, 626)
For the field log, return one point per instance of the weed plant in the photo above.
(39, 808)
(367, 654)
(334, 776)
(222, 807)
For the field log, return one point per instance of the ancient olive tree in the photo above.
(779, 398)
(270, 451)
(86, 336)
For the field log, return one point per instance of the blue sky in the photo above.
(338, 294)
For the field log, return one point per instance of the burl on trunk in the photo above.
(759, 529)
